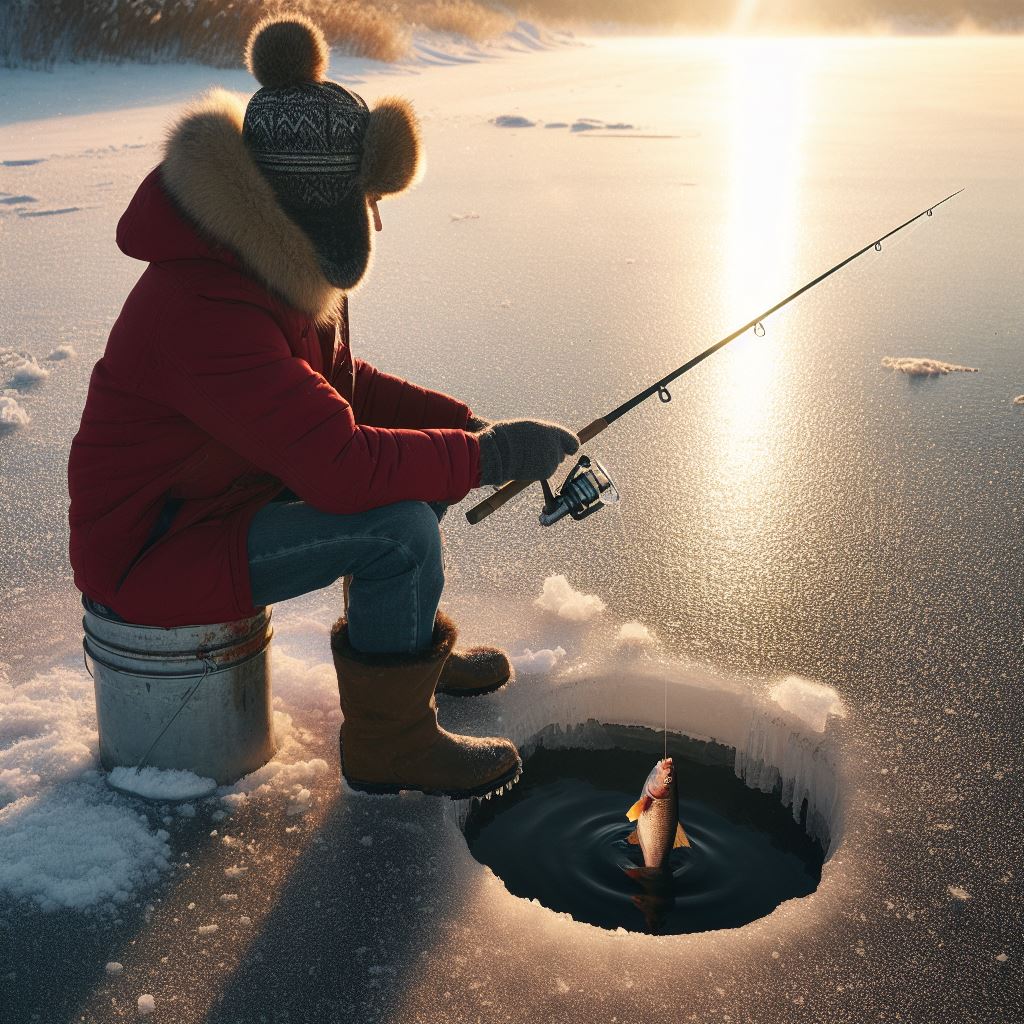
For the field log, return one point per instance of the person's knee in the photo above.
(415, 526)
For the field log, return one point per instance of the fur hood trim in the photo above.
(211, 175)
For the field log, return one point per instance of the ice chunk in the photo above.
(811, 702)
(165, 784)
(12, 415)
(560, 598)
(114, 967)
(958, 893)
(540, 662)
(634, 634)
(235, 871)
(1019, 400)
(208, 929)
(146, 1004)
(62, 352)
(924, 367)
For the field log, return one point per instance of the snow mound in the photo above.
(70, 841)
(19, 369)
(537, 662)
(916, 367)
(62, 352)
(166, 784)
(811, 702)
(560, 598)
(12, 415)
(66, 840)
(73, 848)
(634, 634)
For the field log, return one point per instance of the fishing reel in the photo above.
(587, 488)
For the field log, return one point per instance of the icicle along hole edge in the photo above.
(784, 737)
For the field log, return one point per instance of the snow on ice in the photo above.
(916, 367)
(53, 792)
(560, 598)
(162, 783)
(540, 662)
(512, 121)
(19, 369)
(12, 415)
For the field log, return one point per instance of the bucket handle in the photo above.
(85, 659)
(208, 667)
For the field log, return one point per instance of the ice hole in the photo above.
(559, 835)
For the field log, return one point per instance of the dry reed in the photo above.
(40, 32)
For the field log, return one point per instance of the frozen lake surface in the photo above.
(825, 551)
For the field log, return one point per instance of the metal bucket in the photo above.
(208, 686)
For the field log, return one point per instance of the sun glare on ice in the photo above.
(767, 90)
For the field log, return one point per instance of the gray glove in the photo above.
(523, 450)
(477, 423)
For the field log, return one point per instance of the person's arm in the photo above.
(383, 400)
(228, 368)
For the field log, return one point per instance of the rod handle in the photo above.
(508, 491)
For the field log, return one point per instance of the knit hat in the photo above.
(320, 147)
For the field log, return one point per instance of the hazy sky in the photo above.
(775, 14)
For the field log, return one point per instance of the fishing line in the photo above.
(665, 755)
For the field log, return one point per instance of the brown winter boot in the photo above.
(474, 670)
(390, 739)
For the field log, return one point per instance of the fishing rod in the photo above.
(589, 486)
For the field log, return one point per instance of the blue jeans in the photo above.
(393, 555)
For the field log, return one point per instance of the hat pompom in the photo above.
(286, 49)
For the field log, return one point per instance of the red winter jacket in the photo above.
(215, 393)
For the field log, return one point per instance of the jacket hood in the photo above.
(228, 205)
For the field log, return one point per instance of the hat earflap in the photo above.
(392, 153)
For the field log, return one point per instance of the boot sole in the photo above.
(478, 692)
(392, 789)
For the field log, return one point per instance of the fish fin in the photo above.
(681, 838)
(633, 839)
(636, 810)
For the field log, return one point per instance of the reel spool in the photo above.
(587, 488)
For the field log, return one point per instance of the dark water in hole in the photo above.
(560, 837)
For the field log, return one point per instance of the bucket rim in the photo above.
(219, 666)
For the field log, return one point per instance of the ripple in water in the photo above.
(560, 837)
